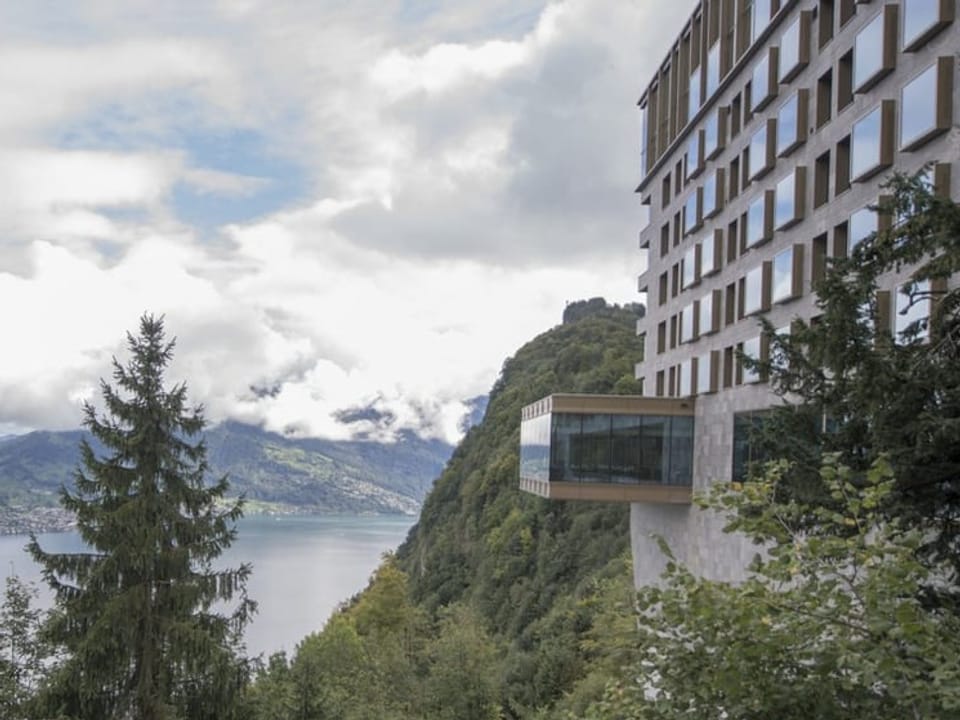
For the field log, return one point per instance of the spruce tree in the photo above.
(149, 627)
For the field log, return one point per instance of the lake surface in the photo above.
(303, 567)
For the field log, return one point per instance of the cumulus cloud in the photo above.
(467, 168)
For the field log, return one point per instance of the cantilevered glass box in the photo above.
(608, 447)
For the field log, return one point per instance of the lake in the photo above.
(303, 567)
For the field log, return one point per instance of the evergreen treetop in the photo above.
(141, 615)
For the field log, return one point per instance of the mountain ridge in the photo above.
(274, 472)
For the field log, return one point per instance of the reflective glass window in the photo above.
(760, 83)
(690, 219)
(705, 373)
(564, 444)
(918, 107)
(708, 255)
(918, 17)
(788, 124)
(782, 286)
(863, 223)
(760, 18)
(624, 448)
(693, 154)
(785, 206)
(687, 316)
(707, 314)
(713, 69)
(686, 378)
(865, 144)
(753, 291)
(868, 51)
(654, 448)
(694, 94)
(758, 151)
(751, 349)
(710, 195)
(535, 448)
(592, 451)
(689, 267)
(756, 225)
(790, 49)
(711, 134)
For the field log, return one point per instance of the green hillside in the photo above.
(495, 601)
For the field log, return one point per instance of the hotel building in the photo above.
(766, 135)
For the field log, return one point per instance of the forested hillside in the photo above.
(272, 471)
(492, 604)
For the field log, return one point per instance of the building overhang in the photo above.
(613, 448)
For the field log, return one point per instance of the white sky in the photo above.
(349, 204)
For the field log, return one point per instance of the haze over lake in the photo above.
(303, 567)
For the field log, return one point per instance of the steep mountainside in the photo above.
(303, 474)
(518, 560)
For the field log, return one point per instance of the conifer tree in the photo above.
(853, 386)
(150, 628)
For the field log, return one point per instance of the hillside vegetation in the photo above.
(272, 471)
(493, 604)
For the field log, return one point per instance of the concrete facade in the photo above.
(726, 245)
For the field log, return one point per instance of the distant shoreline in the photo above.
(24, 521)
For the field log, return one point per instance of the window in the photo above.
(821, 180)
(691, 215)
(693, 158)
(713, 133)
(825, 24)
(706, 373)
(664, 239)
(922, 19)
(824, 98)
(748, 451)
(712, 188)
(869, 150)
(690, 275)
(713, 69)
(709, 313)
(760, 155)
(873, 53)
(787, 280)
(663, 289)
(925, 105)
(842, 167)
(792, 122)
(913, 312)
(863, 223)
(788, 199)
(694, 96)
(688, 323)
(758, 228)
(845, 81)
(665, 191)
(686, 378)
(733, 188)
(760, 18)
(710, 253)
(756, 291)
(736, 115)
(662, 337)
(750, 349)
(730, 304)
(794, 47)
(763, 84)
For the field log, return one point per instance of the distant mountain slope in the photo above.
(305, 474)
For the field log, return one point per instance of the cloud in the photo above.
(444, 176)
